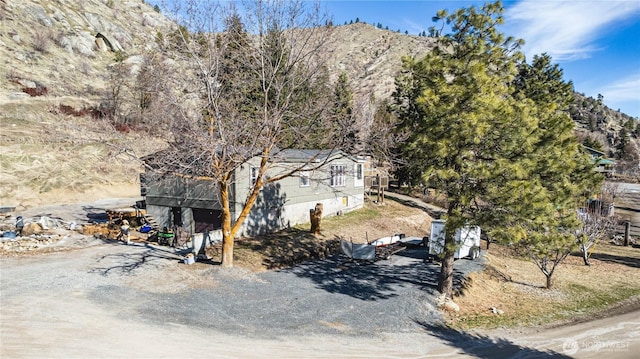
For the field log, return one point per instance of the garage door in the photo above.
(207, 219)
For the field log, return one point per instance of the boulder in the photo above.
(38, 13)
(101, 45)
(447, 304)
(450, 306)
(495, 310)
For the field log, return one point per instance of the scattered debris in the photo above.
(495, 310)
(189, 259)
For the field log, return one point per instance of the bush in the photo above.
(39, 90)
(41, 41)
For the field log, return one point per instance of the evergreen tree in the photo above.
(343, 115)
(463, 123)
(490, 141)
(558, 169)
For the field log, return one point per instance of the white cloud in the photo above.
(625, 89)
(413, 27)
(625, 94)
(565, 30)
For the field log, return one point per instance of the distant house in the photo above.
(603, 164)
(194, 204)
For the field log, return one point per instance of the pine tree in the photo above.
(559, 173)
(343, 115)
(463, 123)
(493, 140)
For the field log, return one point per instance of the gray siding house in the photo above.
(331, 178)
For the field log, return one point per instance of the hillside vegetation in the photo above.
(55, 78)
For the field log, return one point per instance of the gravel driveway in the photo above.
(329, 296)
(319, 297)
(151, 284)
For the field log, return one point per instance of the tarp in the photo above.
(358, 251)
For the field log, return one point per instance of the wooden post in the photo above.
(378, 184)
(627, 228)
(315, 216)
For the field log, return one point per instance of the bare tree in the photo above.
(244, 83)
(597, 220)
(117, 92)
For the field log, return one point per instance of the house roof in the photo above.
(593, 151)
(605, 161)
(309, 155)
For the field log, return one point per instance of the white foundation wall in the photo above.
(298, 213)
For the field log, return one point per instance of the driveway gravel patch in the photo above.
(318, 297)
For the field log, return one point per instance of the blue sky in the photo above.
(595, 42)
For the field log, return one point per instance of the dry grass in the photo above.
(47, 154)
(515, 286)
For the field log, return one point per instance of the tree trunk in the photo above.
(445, 282)
(227, 252)
(549, 282)
(585, 255)
(316, 217)
(227, 235)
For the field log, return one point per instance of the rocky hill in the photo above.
(54, 61)
(53, 72)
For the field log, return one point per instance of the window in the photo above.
(305, 181)
(337, 176)
(254, 175)
(359, 171)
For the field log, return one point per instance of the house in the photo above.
(331, 178)
(603, 164)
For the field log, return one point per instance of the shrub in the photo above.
(41, 41)
(122, 127)
(39, 90)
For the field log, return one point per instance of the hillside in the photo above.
(55, 56)
(54, 76)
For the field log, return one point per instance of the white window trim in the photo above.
(305, 175)
(338, 175)
(253, 175)
(358, 178)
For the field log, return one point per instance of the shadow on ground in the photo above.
(431, 210)
(628, 261)
(127, 263)
(380, 280)
(482, 346)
